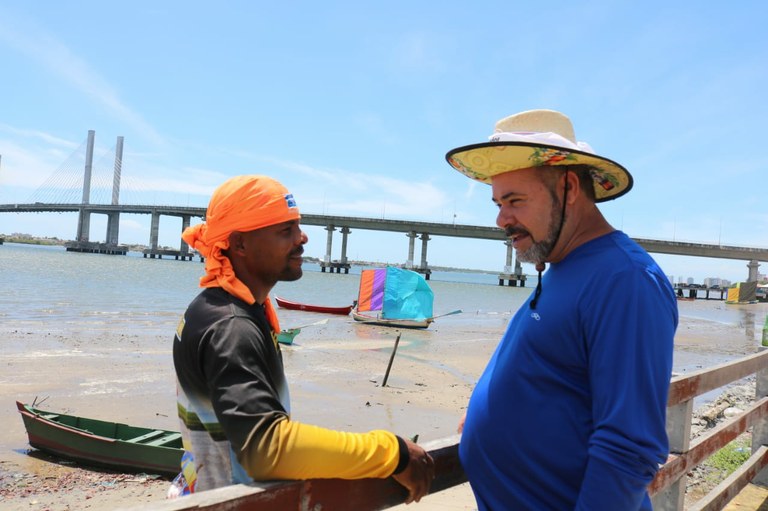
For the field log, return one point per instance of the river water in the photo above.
(48, 291)
(91, 334)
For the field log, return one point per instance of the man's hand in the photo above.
(418, 474)
(460, 429)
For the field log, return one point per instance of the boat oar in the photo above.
(457, 311)
(286, 335)
(391, 359)
(321, 322)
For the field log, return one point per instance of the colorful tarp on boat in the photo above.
(396, 293)
(742, 292)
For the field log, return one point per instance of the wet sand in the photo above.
(335, 371)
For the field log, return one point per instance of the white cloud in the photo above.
(58, 59)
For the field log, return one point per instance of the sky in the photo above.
(353, 105)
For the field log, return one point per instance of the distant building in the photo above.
(717, 282)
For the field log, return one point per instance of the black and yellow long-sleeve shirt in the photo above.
(234, 405)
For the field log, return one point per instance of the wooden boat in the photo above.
(742, 293)
(287, 304)
(401, 323)
(395, 297)
(286, 336)
(101, 443)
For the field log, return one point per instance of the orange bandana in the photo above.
(242, 203)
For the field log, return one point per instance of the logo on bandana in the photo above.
(290, 201)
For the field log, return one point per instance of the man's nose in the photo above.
(504, 218)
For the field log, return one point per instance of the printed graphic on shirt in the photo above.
(180, 328)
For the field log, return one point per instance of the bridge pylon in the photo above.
(82, 241)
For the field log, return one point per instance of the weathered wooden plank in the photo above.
(733, 484)
(325, 494)
(376, 494)
(707, 445)
(683, 388)
(753, 497)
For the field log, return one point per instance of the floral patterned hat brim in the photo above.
(483, 161)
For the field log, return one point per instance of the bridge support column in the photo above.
(113, 219)
(753, 266)
(343, 261)
(411, 245)
(512, 276)
(154, 230)
(83, 225)
(183, 247)
(508, 265)
(328, 247)
(84, 219)
(424, 267)
(113, 228)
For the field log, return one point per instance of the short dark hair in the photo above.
(587, 183)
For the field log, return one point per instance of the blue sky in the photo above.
(353, 106)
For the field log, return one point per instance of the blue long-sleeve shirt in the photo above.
(570, 411)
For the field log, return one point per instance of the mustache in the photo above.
(299, 251)
(512, 231)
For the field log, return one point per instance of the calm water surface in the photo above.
(49, 290)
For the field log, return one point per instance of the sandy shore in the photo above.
(335, 371)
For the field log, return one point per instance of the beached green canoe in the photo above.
(102, 443)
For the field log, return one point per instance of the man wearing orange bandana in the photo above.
(233, 397)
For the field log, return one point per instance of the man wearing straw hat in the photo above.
(232, 392)
(570, 411)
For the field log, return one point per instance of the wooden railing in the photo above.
(667, 489)
(321, 494)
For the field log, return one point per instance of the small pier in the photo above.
(335, 267)
(424, 271)
(92, 247)
(700, 293)
(512, 279)
(156, 253)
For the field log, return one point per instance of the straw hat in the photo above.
(533, 139)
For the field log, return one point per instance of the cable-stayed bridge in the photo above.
(101, 188)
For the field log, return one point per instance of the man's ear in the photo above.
(236, 242)
(573, 185)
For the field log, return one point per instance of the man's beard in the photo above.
(290, 273)
(539, 251)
